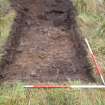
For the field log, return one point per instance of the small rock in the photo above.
(33, 73)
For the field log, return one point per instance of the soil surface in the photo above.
(45, 44)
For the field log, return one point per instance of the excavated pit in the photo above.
(45, 44)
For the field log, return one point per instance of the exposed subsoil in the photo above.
(45, 44)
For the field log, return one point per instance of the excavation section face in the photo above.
(45, 45)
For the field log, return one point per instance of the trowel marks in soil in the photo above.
(45, 44)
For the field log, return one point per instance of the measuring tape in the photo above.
(71, 86)
(98, 68)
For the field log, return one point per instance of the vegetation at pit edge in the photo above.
(92, 24)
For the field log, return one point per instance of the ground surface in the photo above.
(45, 44)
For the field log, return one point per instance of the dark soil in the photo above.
(45, 44)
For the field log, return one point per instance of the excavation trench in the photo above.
(45, 44)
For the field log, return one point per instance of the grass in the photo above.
(6, 21)
(92, 24)
(17, 95)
